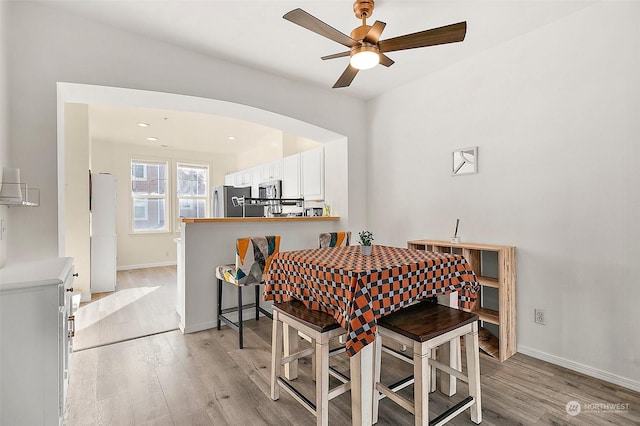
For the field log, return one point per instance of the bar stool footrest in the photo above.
(306, 402)
(452, 412)
(232, 324)
(339, 375)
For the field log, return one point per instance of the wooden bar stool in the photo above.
(320, 327)
(423, 327)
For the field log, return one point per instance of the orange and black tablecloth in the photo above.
(357, 289)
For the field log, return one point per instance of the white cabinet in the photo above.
(313, 174)
(272, 170)
(243, 178)
(36, 327)
(291, 177)
(257, 177)
(230, 179)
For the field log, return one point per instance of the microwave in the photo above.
(271, 189)
(313, 211)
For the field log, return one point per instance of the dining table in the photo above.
(358, 289)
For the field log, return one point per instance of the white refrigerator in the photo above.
(103, 232)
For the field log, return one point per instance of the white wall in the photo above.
(47, 46)
(555, 115)
(77, 224)
(4, 119)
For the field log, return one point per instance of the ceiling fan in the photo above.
(366, 48)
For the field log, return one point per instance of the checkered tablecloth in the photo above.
(357, 289)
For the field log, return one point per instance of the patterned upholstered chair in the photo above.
(253, 257)
(334, 239)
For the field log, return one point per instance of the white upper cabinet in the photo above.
(302, 175)
(244, 178)
(291, 177)
(257, 174)
(272, 170)
(312, 165)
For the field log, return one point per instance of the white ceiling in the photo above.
(254, 34)
(179, 130)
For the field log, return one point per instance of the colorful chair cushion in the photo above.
(253, 257)
(335, 239)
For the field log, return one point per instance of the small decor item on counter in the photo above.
(326, 210)
(455, 239)
(366, 238)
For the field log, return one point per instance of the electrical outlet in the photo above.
(541, 316)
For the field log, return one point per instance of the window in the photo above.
(193, 195)
(138, 172)
(140, 210)
(149, 196)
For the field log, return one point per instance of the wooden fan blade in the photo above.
(310, 22)
(347, 77)
(385, 60)
(448, 34)
(336, 55)
(374, 32)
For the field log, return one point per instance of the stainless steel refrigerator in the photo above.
(103, 232)
(222, 206)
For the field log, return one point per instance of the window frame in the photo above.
(206, 197)
(133, 196)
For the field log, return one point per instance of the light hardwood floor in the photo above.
(204, 379)
(144, 303)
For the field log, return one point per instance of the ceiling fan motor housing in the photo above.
(363, 8)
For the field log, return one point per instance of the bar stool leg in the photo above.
(240, 316)
(322, 383)
(291, 340)
(377, 355)
(434, 355)
(473, 372)
(276, 355)
(422, 383)
(448, 353)
(257, 302)
(219, 301)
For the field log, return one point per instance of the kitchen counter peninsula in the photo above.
(206, 243)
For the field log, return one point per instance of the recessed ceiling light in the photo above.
(231, 138)
(152, 138)
(143, 124)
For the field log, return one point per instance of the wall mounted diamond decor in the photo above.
(465, 161)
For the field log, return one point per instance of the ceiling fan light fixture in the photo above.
(364, 57)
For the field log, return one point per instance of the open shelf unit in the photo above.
(495, 267)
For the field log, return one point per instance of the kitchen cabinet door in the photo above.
(274, 170)
(291, 177)
(36, 325)
(257, 177)
(313, 174)
(244, 178)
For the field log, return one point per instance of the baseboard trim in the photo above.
(581, 368)
(147, 265)
(197, 327)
